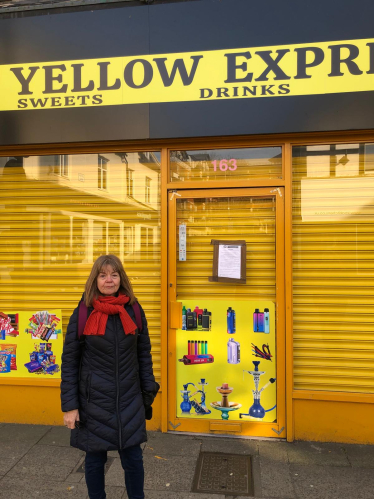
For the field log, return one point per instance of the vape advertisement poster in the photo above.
(30, 344)
(226, 363)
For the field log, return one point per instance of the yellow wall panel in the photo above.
(333, 421)
(22, 408)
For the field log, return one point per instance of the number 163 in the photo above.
(225, 164)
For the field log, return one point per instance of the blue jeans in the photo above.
(132, 463)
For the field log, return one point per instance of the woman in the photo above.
(106, 374)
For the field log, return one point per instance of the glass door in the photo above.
(226, 312)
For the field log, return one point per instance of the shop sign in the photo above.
(247, 72)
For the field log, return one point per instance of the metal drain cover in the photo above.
(218, 473)
(108, 464)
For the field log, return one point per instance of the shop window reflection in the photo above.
(331, 181)
(332, 226)
(226, 164)
(67, 210)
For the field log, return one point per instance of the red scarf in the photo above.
(108, 305)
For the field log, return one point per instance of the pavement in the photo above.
(37, 462)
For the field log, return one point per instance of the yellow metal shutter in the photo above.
(59, 213)
(333, 267)
(241, 218)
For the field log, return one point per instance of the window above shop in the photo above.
(226, 164)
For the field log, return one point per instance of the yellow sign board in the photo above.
(248, 72)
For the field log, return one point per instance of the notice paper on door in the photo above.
(229, 261)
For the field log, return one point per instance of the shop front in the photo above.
(233, 176)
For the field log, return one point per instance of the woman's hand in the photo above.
(70, 418)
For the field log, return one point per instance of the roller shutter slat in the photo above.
(333, 274)
(44, 239)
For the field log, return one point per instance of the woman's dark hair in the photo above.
(91, 289)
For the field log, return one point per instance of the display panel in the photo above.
(30, 344)
(226, 360)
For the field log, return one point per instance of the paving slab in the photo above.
(230, 445)
(360, 456)
(162, 444)
(276, 479)
(254, 497)
(45, 461)
(276, 452)
(10, 454)
(174, 474)
(37, 488)
(317, 453)
(22, 433)
(115, 492)
(59, 436)
(332, 482)
(115, 475)
(157, 494)
(167, 474)
(75, 477)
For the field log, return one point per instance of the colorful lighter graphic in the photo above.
(256, 411)
(197, 353)
(217, 350)
(23, 353)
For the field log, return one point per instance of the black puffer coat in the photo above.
(104, 380)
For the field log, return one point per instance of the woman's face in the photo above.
(108, 281)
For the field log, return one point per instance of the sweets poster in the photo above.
(226, 363)
(30, 344)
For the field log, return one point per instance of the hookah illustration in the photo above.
(225, 406)
(256, 410)
(187, 403)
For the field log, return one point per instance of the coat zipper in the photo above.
(88, 387)
(117, 385)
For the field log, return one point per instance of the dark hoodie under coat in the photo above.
(104, 380)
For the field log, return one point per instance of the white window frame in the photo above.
(102, 173)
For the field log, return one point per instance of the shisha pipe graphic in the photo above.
(256, 410)
(188, 402)
(201, 408)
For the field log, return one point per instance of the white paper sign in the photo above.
(182, 243)
(229, 261)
